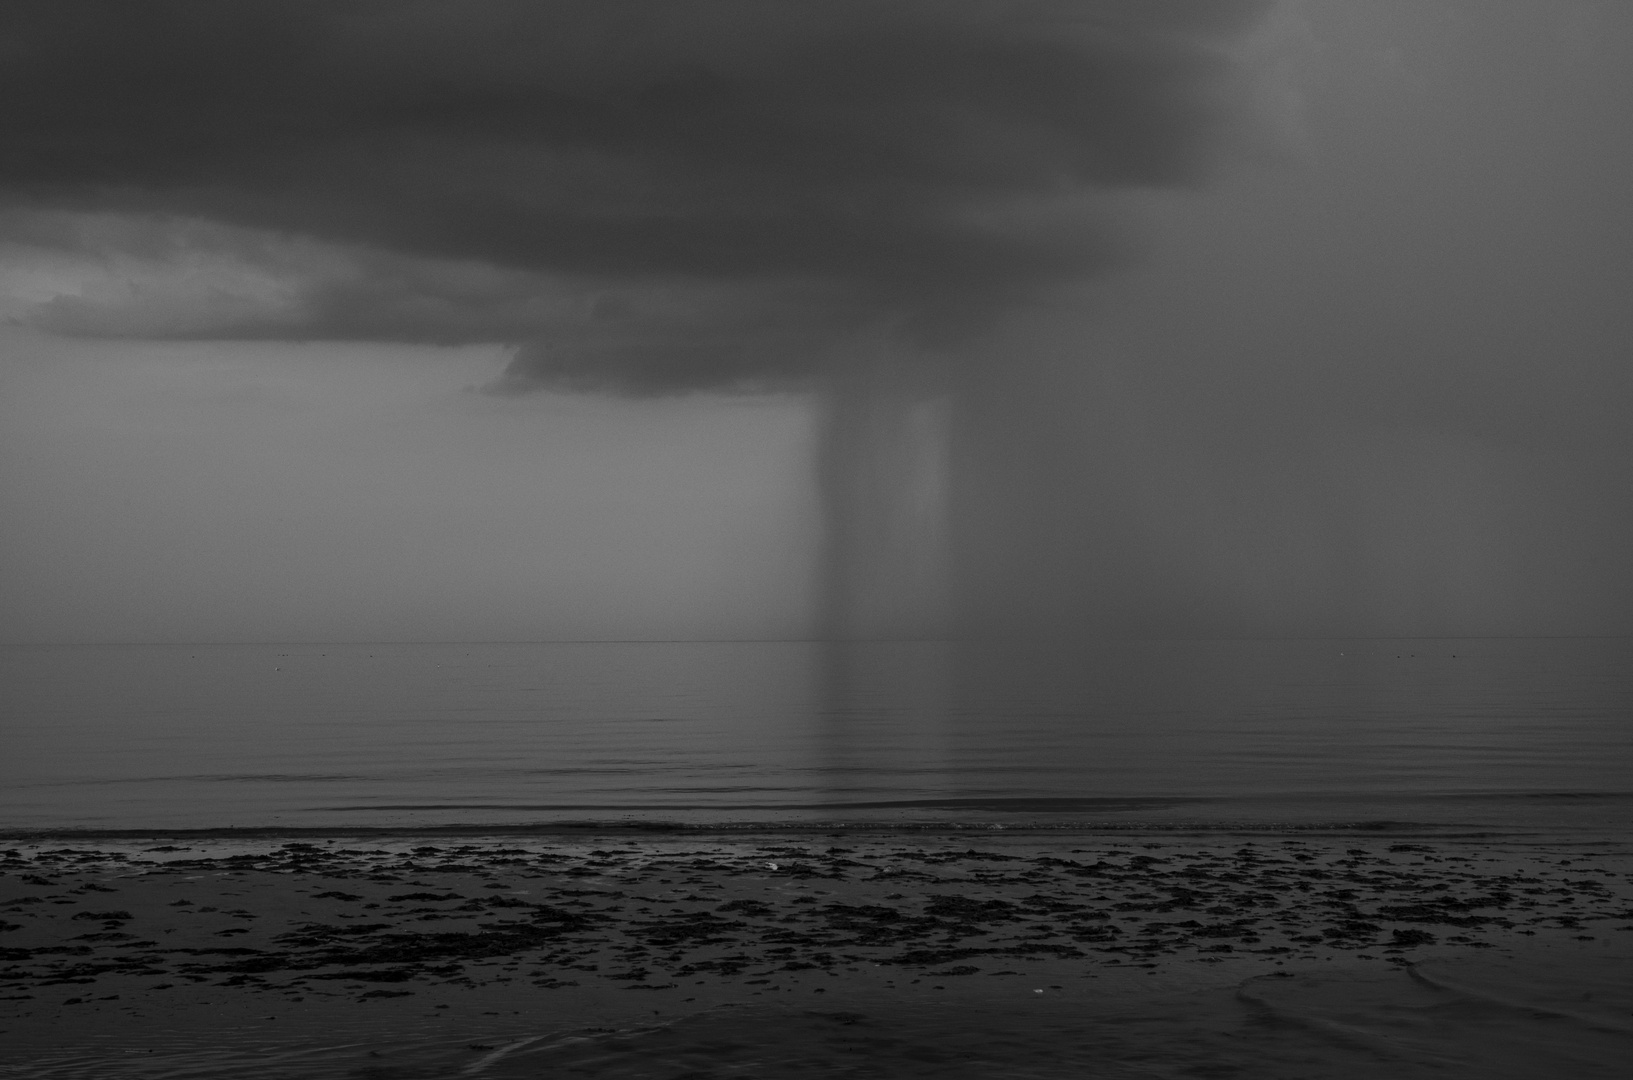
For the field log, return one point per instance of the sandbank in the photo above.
(968, 952)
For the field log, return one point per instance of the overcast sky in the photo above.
(501, 321)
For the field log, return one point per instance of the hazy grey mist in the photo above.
(1377, 386)
(1176, 317)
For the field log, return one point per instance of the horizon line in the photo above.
(1016, 639)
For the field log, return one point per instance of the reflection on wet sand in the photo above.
(1443, 1018)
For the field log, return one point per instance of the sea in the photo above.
(1441, 734)
(1525, 740)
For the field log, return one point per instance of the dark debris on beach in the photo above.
(303, 918)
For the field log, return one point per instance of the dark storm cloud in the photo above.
(841, 160)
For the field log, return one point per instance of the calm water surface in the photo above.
(1483, 732)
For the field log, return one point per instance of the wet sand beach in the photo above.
(846, 953)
